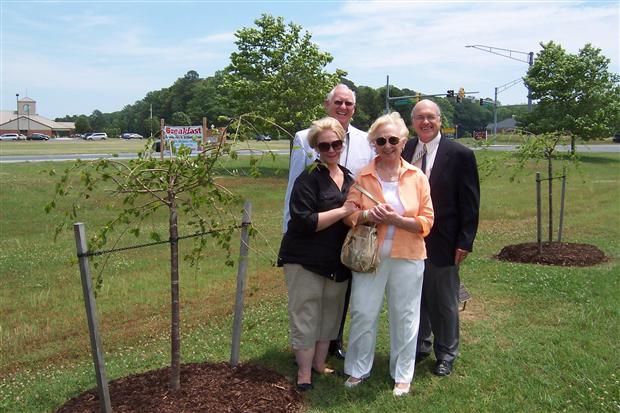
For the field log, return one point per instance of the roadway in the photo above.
(613, 148)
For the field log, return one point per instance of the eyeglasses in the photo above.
(420, 118)
(324, 146)
(346, 103)
(393, 140)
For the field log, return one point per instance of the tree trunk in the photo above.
(550, 172)
(175, 337)
(573, 142)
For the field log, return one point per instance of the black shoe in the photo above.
(419, 357)
(442, 368)
(304, 386)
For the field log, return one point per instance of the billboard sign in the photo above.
(188, 136)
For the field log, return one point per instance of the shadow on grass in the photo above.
(610, 159)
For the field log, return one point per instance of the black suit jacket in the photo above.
(455, 192)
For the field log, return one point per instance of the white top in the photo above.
(356, 153)
(390, 194)
(431, 153)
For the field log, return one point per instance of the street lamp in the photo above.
(497, 90)
(17, 111)
(509, 54)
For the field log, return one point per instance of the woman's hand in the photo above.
(349, 207)
(384, 214)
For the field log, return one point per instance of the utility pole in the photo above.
(151, 121)
(508, 53)
(497, 90)
(17, 100)
(387, 96)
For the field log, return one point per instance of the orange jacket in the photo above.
(415, 195)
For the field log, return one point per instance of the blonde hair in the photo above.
(322, 125)
(392, 118)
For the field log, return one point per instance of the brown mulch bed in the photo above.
(205, 387)
(555, 253)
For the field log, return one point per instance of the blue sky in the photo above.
(73, 57)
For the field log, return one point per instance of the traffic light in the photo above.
(418, 97)
(481, 101)
(461, 93)
(450, 93)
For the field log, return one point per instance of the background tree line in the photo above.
(278, 74)
(191, 98)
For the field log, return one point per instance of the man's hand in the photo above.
(460, 255)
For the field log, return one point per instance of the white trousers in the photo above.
(401, 281)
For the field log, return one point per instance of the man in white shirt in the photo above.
(356, 153)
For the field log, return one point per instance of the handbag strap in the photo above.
(365, 192)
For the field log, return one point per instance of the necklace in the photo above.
(388, 176)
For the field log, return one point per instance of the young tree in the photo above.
(278, 73)
(184, 185)
(577, 94)
(541, 148)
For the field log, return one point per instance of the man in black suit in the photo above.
(455, 192)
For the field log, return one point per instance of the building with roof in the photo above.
(25, 120)
(508, 125)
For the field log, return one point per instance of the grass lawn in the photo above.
(534, 338)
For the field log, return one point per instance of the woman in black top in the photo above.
(310, 251)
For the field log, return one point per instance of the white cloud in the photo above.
(117, 53)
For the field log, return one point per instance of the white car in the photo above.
(9, 137)
(129, 135)
(97, 136)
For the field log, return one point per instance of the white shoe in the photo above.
(352, 382)
(401, 391)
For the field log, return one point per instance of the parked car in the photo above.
(263, 137)
(128, 135)
(96, 136)
(9, 137)
(37, 137)
(617, 137)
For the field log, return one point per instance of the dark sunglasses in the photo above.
(346, 103)
(393, 140)
(324, 146)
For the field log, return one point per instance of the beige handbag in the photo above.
(360, 250)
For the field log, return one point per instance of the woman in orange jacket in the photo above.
(403, 217)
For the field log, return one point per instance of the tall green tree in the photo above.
(207, 101)
(278, 73)
(180, 119)
(577, 94)
(82, 124)
(470, 116)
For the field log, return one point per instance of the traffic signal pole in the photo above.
(418, 96)
(508, 53)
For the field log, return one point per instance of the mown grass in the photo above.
(534, 338)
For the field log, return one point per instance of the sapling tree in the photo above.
(542, 147)
(183, 184)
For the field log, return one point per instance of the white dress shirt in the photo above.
(431, 153)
